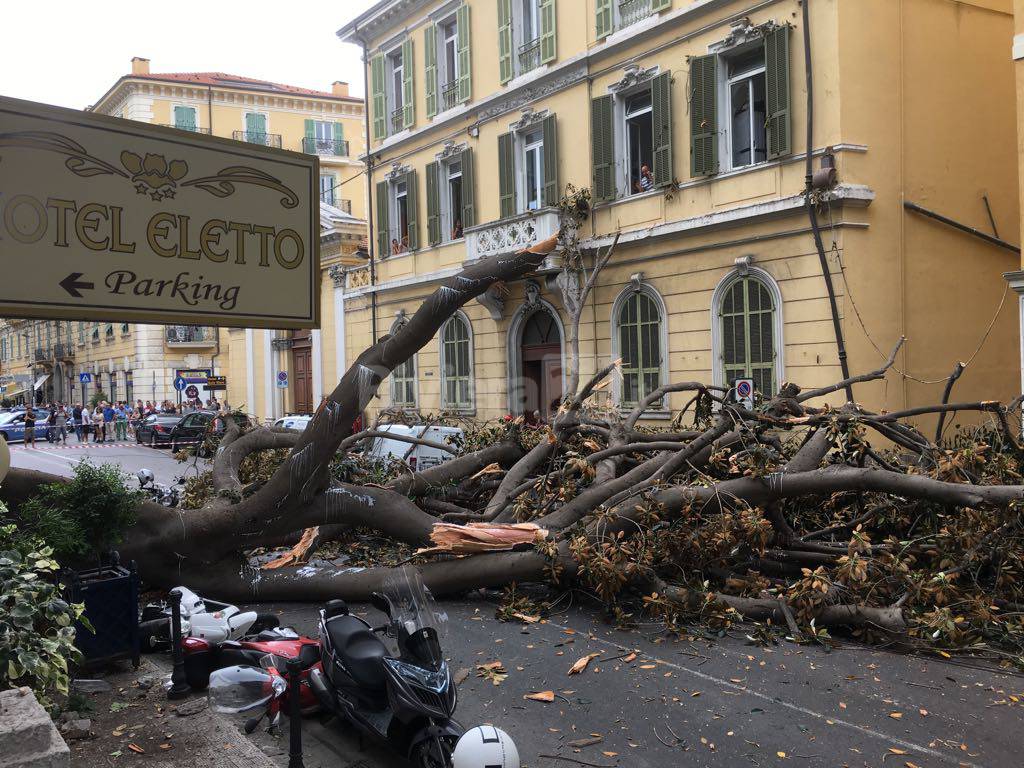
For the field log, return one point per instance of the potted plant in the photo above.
(83, 520)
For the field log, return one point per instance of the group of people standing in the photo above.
(105, 421)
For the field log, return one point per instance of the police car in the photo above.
(12, 426)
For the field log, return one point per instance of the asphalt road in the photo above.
(719, 704)
(130, 456)
(724, 703)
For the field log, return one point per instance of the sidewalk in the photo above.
(71, 444)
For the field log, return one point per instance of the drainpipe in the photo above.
(811, 211)
(209, 108)
(369, 195)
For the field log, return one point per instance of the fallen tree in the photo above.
(784, 513)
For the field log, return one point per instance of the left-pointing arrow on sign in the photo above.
(73, 285)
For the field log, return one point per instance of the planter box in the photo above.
(111, 598)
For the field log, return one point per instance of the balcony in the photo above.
(632, 11)
(189, 128)
(266, 139)
(41, 355)
(324, 147)
(449, 95)
(64, 353)
(397, 120)
(190, 336)
(529, 56)
(512, 234)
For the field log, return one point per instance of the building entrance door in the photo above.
(302, 378)
(541, 356)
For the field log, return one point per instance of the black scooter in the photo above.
(406, 701)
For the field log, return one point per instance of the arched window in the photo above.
(638, 319)
(749, 338)
(457, 364)
(403, 378)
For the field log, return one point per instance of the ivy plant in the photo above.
(37, 627)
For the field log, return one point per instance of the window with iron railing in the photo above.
(313, 145)
(189, 334)
(252, 137)
(529, 55)
(632, 11)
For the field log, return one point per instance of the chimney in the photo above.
(339, 88)
(140, 66)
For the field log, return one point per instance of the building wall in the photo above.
(914, 97)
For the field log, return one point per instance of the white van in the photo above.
(293, 422)
(418, 457)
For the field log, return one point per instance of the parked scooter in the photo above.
(202, 619)
(165, 495)
(406, 700)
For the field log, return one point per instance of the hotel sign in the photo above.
(110, 219)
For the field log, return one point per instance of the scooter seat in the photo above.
(359, 649)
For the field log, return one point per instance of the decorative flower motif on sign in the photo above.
(151, 175)
(154, 176)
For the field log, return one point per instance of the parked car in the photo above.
(12, 426)
(418, 457)
(193, 427)
(155, 429)
(296, 421)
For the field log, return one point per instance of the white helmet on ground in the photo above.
(485, 747)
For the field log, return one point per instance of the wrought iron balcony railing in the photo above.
(529, 55)
(250, 137)
(397, 119)
(191, 335)
(632, 11)
(449, 94)
(189, 128)
(63, 352)
(41, 355)
(329, 147)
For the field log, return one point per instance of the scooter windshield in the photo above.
(412, 606)
(242, 688)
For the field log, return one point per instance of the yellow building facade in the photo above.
(73, 361)
(686, 120)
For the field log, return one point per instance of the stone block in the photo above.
(28, 738)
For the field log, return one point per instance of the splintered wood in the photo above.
(482, 537)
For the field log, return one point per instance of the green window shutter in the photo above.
(504, 40)
(185, 118)
(661, 120)
(310, 129)
(339, 131)
(465, 60)
(468, 190)
(660, 5)
(430, 68)
(255, 123)
(433, 205)
(776, 80)
(378, 101)
(748, 334)
(548, 39)
(603, 147)
(703, 115)
(413, 205)
(506, 175)
(551, 191)
(604, 18)
(408, 93)
(383, 242)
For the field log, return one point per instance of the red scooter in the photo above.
(270, 650)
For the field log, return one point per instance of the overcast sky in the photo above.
(69, 53)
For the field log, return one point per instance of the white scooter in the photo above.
(205, 619)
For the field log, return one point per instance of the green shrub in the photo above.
(85, 517)
(37, 627)
(98, 397)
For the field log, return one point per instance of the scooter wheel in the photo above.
(434, 753)
(152, 634)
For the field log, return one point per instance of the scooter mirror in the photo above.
(381, 603)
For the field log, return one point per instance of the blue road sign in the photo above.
(180, 384)
(85, 378)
